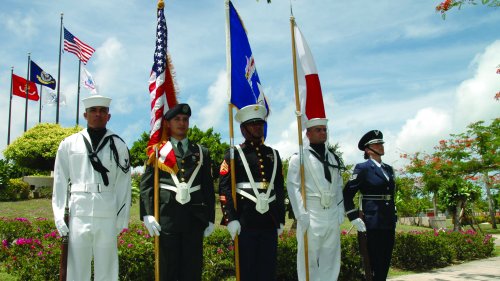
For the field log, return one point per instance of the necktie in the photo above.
(180, 149)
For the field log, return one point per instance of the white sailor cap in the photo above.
(251, 113)
(96, 100)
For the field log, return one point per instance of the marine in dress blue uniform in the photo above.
(260, 214)
(375, 181)
(183, 222)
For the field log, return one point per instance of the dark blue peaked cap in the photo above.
(373, 136)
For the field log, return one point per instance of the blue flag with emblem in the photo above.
(41, 77)
(245, 83)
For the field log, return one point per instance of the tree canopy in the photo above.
(36, 149)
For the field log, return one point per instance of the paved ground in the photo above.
(483, 270)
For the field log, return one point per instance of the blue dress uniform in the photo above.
(183, 219)
(258, 237)
(375, 182)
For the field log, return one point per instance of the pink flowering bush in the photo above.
(30, 250)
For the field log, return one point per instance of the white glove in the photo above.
(234, 228)
(280, 229)
(359, 224)
(210, 228)
(152, 225)
(304, 221)
(62, 228)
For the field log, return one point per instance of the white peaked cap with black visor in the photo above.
(251, 113)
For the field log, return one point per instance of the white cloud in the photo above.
(212, 112)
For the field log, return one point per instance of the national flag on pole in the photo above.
(162, 93)
(51, 99)
(41, 77)
(88, 82)
(77, 47)
(245, 83)
(311, 97)
(19, 88)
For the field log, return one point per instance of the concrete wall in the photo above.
(432, 222)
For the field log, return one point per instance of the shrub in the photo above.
(31, 250)
(420, 251)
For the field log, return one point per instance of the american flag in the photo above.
(162, 91)
(77, 47)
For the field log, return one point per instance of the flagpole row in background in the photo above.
(26, 90)
(78, 93)
(10, 104)
(59, 71)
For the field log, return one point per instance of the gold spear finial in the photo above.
(161, 4)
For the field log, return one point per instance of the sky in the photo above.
(395, 66)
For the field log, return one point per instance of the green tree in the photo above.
(36, 149)
(138, 151)
(208, 138)
(410, 198)
(450, 173)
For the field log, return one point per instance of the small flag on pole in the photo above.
(246, 88)
(162, 93)
(77, 47)
(88, 82)
(311, 97)
(19, 88)
(41, 77)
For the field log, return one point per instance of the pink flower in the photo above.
(219, 251)
(130, 245)
(40, 253)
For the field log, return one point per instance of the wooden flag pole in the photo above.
(301, 149)
(233, 189)
(157, 213)
(231, 138)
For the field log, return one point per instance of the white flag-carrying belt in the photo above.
(261, 200)
(183, 190)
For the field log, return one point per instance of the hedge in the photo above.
(30, 251)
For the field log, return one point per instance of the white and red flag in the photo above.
(311, 97)
(162, 93)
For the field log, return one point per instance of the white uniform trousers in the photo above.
(92, 237)
(323, 244)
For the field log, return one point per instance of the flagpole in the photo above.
(27, 94)
(78, 92)
(10, 104)
(156, 206)
(40, 108)
(59, 70)
(231, 139)
(301, 149)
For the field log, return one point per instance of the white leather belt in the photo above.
(91, 188)
(251, 197)
(377, 197)
(174, 188)
(247, 185)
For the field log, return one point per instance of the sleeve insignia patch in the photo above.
(224, 168)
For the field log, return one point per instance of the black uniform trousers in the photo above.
(181, 255)
(380, 245)
(258, 251)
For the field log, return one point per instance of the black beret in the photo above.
(373, 136)
(180, 108)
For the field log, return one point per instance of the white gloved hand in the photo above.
(280, 229)
(210, 228)
(62, 228)
(304, 221)
(234, 228)
(152, 225)
(359, 224)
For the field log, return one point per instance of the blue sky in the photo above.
(395, 66)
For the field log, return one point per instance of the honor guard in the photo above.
(259, 215)
(324, 211)
(94, 166)
(187, 202)
(377, 214)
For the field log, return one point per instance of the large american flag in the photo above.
(77, 47)
(162, 90)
